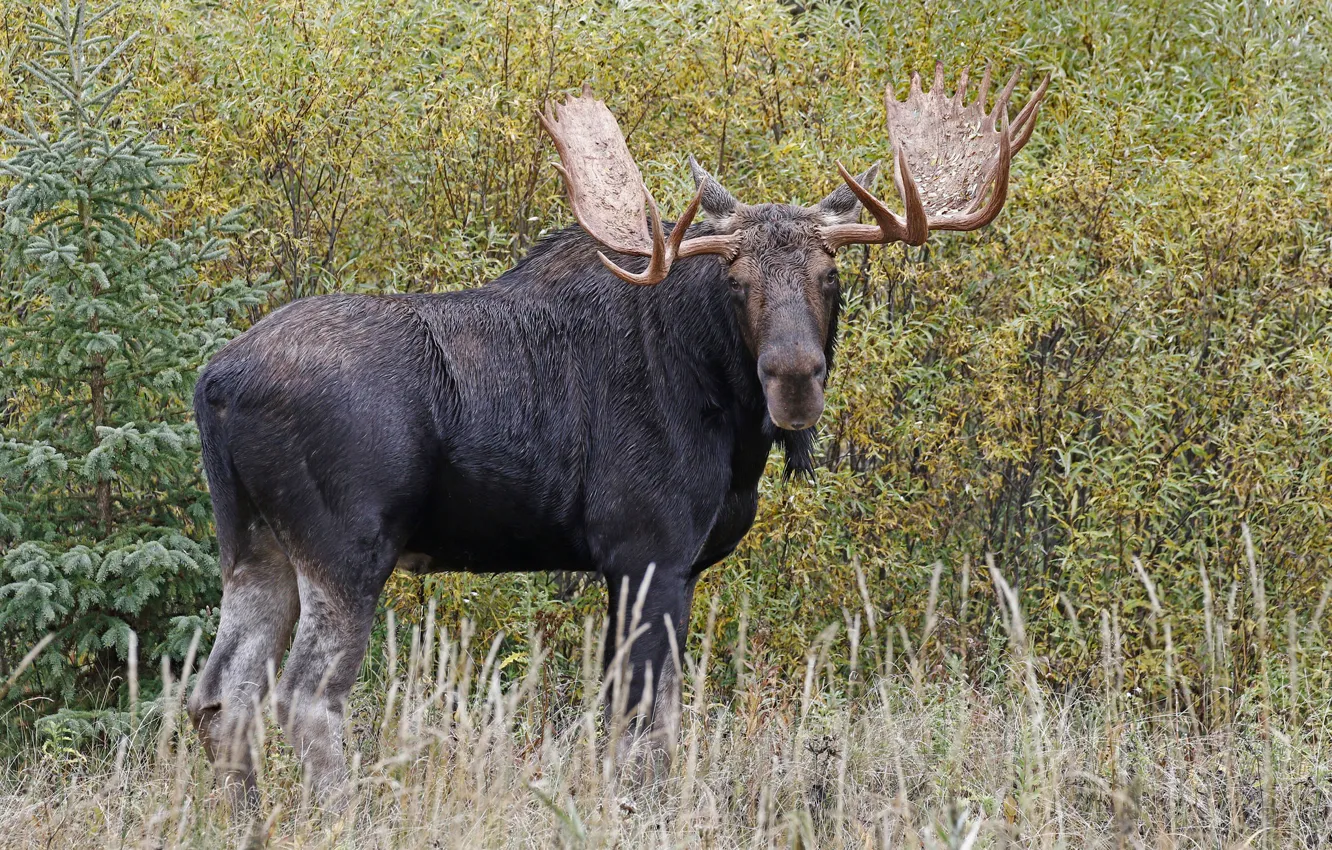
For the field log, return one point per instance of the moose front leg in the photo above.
(648, 622)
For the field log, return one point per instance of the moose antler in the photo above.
(948, 156)
(607, 192)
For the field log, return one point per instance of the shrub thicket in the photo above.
(1133, 362)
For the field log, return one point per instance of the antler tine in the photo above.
(937, 87)
(665, 251)
(1001, 102)
(658, 266)
(1026, 119)
(888, 227)
(917, 222)
(682, 224)
(887, 220)
(984, 90)
(961, 94)
(915, 83)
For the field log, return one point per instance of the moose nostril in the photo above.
(765, 364)
(800, 363)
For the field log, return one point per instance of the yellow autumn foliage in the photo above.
(1133, 362)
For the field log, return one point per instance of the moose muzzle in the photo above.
(793, 382)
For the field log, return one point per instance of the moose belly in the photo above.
(498, 548)
(489, 528)
(489, 557)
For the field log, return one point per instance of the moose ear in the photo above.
(716, 201)
(842, 206)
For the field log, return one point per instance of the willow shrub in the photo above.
(1132, 363)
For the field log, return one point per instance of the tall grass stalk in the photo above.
(455, 746)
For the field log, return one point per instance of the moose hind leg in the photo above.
(259, 607)
(321, 669)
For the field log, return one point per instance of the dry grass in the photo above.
(453, 751)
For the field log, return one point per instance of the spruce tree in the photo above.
(105, 320)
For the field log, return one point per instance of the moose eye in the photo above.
(832, 280)
(736, 285)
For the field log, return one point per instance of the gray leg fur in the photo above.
(318, 677)
(259, 606)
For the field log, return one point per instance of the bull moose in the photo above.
(556, 418)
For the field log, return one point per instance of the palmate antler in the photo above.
(948, 156)
(607, 192)
(951, 170)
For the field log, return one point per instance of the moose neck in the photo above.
(696, 301)
(699, 326)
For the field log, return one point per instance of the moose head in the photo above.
(951, 163)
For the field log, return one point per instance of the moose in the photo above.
(608, 405)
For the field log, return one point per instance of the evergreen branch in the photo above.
(104, 99)
(40, 34)
(98, 17)
(17, 138)
(112, 56)
(52, 80)
(37, 136)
